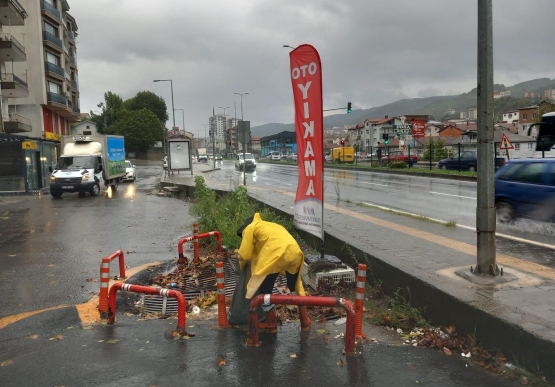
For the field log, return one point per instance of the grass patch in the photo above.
(451, 224)
(228, 212)
(405, 214)
(398, 313)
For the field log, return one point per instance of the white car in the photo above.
(130, 173)
(165, 162)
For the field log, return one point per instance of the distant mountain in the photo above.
(433, 106)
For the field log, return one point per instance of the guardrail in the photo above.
(329, 302)
(195, 238)
(105, 278)
(181, 302)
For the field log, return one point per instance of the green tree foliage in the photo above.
(141, 128)
(150, 101)
(111, 112)
(438, 150)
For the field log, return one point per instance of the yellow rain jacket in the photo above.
(271, 249)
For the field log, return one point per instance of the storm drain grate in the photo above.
(206, 281)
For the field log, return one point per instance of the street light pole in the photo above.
(183, 113)
(173, 113)
(244, 139)
(205, 125)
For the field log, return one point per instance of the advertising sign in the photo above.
(116, 155)
(29, 145)
(418, 129)
(180, 155)
(306, 79)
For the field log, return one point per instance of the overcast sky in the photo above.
(373, 52)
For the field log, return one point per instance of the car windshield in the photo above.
(76, 162)
(248, 156)
(128, 164)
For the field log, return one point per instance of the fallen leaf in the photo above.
(141, 349)
(100, 341)
(447, 351)
(321, 331)
(399, 330)
(340, 363)
(33, 337)
(6, 363)
(220, 362)
(12, 255)
(112, 341)
(450, 329)
(293, 356)
(57, 337)
(88, 327)
(523, 380)
(190, 326)
(69, 328)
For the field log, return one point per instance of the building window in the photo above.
(367, 131)
(54, 87)
(51, 29)
(51, 2)
(517, 146)
(534, 116)
(530, 146)
(525, 116)
(51, 58)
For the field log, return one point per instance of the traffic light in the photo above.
(386, 138)
(343, 142)
(349, 110)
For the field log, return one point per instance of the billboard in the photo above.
(116, 155)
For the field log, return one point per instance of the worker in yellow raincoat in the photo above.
(271, 250)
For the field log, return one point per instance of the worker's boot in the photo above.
(305, 320)
(270, 325)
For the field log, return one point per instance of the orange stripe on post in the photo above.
(359, 301)
(222, 312)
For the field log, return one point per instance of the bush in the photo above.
(228, 212)
(397, 164)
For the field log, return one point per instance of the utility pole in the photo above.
(485, 211)
(244, 139)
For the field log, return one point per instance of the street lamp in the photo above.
(244, 138)
(288, 46)
(182, 112)
(173, 114)
(205, 125)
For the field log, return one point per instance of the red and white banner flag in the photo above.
(306, 78)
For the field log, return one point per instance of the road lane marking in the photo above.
(457, 196)
(383, 185)
(88, 312)
(5, 321)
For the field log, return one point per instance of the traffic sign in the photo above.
(505, 143)
(244, 132)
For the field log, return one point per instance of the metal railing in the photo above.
(49, 8)
(53, 68)
(66, 50)
(75, 85)
(72, 60)
(15, 79)
(14, 117)
(53, 39)
(76, 109)
(68, 77)
(71, 35)
(57, 98)
(9, 37)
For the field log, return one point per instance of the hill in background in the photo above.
(433, 106)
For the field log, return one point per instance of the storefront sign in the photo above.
(29, 145)
(52, 136)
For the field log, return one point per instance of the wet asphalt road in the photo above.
(446, 200)
(51, 249)
(50, 254)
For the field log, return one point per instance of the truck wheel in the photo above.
(55, 194)
(115, 186)
(95, 190)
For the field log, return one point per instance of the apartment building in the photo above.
(52, 102)
(217, 126)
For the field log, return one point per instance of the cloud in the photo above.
(372, 53)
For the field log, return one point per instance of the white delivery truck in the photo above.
(87, 162)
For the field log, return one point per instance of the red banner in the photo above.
(306, 78)
(418, 129)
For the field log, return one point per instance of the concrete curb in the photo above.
(442, 306)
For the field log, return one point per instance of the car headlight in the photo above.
(52, 179)
(85, 177)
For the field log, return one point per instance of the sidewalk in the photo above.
(516, 317)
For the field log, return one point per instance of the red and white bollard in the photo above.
(195, 243)
(359, 299)
(105, 278)
(220, 283)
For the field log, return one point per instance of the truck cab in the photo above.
(80, 173)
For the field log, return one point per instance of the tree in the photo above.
(150, 101)
(141, 129)
(438, 149)
(111, 111)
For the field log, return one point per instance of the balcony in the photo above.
(10, 49)
(75, 85)
(66, 51)
(17, 123)
(12, 13)
(13, 86)
(57, 101)
(76, 109)
(71, 35)
(51, 11)
(72, 61)
(54, 70)
(52, 41)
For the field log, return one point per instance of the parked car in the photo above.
(218, 158)
(249, 163)
(129, 171)
(283, 156)
(327, 158)
(525, 188)
(401, 155)
(203, 158)
(274, 155)
(165, 162)
(468, 161)
(292, 157)
(256, 156)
